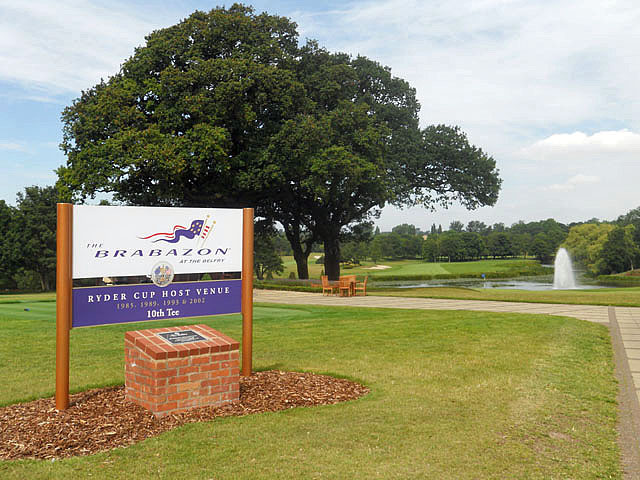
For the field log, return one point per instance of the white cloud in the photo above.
(581, 179)
(64, 46)
(500, 66)
(13, 146)
(573, 182)
(606, 142)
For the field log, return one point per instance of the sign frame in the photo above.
(64, 295)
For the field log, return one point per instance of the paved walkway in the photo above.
(628, 318)
(629, 323)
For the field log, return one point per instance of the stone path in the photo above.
(629, 323)
(591, 313)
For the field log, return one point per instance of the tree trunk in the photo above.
(332, 257)
(301, 247)
(301, 257)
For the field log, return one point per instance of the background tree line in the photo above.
(605, 248)
(597, 246)
(459, 243)
(28, 243)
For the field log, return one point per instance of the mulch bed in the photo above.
(101, 419)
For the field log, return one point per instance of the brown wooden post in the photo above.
(63, 303)
(247, 291)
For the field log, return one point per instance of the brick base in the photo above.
(167, 378)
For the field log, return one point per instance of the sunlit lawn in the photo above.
(453, 395)
(629, 297)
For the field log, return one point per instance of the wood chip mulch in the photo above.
(101, 419)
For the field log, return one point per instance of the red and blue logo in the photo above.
(198, 229)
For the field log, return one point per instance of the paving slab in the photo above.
(589, 313)
(632, 353)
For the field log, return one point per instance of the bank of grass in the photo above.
(623, 297)
(27, 297)
(453, 395)
(418, 268)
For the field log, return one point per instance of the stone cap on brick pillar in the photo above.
(158, 348)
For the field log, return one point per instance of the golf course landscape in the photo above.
(307, 240)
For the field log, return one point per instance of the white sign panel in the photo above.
(130, 241)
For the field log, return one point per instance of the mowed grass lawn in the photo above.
(461, 395)
(411, 267)
(624, 297)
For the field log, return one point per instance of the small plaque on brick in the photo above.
(185, 336)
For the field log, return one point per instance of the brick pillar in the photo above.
(170, 370)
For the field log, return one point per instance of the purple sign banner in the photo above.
(137, 303)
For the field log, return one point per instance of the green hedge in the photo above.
(619, 280)
(282, 286)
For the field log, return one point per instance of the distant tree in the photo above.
(404, 229)
(456, 226)
(451, 246)
(281, 244)
(439, 228)
(34, 233)
(498, 227)
(542, 247)
(521, 243)
(472, 244)
(362, 232)
(431, 248)
(375, 249)
(555, 233)
(433, 229)
(475, 226)
(619, 252)
(9, 247)
(499, 244)
(585, 243)
(411, 246)
(632, 217)
(354, 252)
(266, 260)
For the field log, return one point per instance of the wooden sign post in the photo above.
(247, 291)
(63, 302)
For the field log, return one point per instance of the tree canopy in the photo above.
(585, 243)
(227, 109)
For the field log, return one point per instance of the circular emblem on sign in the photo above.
(162, 274)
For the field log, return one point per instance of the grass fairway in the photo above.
(412, 267)
(454, 395)
(624, 297)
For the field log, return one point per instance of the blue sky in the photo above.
(548, 88)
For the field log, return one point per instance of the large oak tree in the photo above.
(227, 109)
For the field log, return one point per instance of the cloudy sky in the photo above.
(548, 88)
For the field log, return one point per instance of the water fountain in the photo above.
(563, 277)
